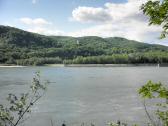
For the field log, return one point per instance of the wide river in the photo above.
(95, 95)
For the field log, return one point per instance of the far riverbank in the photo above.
(10, 65)
(107, 65)
(91, 65)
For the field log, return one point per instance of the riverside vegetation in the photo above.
(18, 47)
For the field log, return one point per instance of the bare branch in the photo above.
(148, 115)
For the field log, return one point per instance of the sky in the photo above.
(104, 18)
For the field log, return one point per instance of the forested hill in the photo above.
(25, 48)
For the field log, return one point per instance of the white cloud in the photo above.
(134, 30)
(110, 11)
(46, 31)
(116, 19)
(36, 21)
(90, 14)
(40, 25)
(34, 1)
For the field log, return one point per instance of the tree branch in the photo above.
(30, 104)
(148, 115)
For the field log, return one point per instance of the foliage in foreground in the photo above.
(157, 12)
(157, 91)
(14, 113)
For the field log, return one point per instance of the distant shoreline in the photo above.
(9, 66)
(90, 65)
(108, 65)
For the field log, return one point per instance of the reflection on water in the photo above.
(77, 95)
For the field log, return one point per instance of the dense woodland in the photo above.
(25, 48)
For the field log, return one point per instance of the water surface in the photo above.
(84, 94)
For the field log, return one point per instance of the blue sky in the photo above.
(57, 11)
(105, 18)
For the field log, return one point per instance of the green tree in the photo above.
(157, 11)
(14, 113)
(156, 91)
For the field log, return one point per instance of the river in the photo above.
(95, 95)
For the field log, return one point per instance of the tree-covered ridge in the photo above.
(26, 48)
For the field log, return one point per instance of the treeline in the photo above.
(133, 58)
(35, 61)
(78, 55)
(152, 57)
